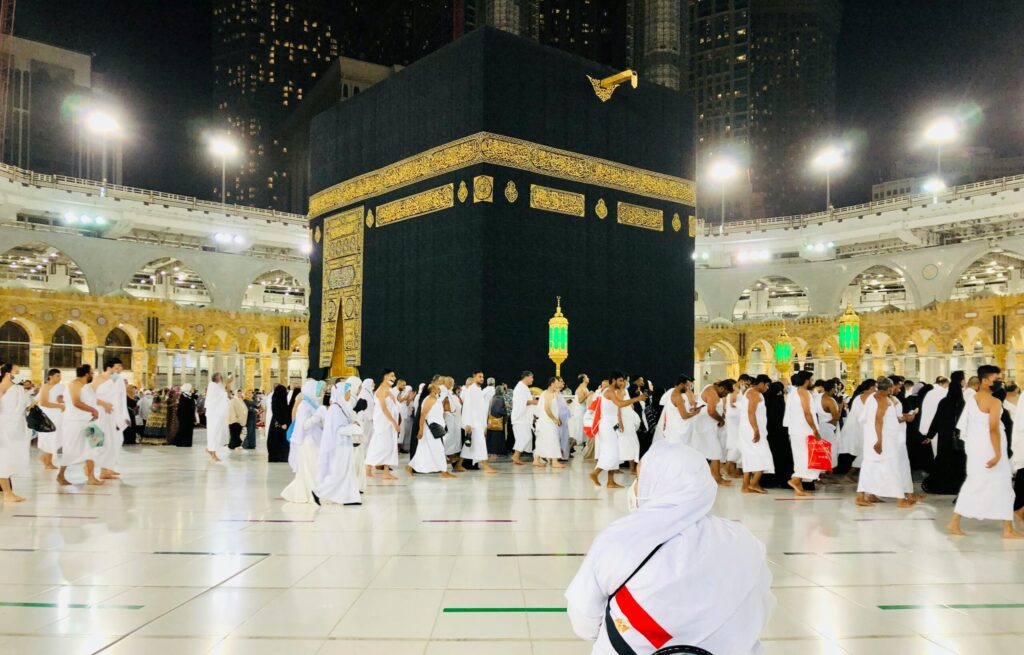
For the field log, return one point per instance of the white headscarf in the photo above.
(339, 415)
(309, 400)
(186, 388)
(675, 491)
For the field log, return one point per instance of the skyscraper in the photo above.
(266, 55)
(762, 73)
(600, 30)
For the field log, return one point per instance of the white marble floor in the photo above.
(183, 556)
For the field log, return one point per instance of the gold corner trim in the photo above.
(558, 201)
(489, 148)
(692, 226)
(418, 204)
(637, 216)
(483, 188)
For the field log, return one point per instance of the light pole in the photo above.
(103, 125)
(722, 170)
(939, 132)
(830, 158)
(223, 147)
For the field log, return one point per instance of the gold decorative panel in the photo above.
(418, 204)
(342, 293)
(637, 216)
(556, 200)
(693, 227)
(483, 188)
(677, 223)
(485, 147)
(511, 193)
(463, 191)
(601, 209)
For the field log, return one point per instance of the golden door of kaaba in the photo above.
(342, 292)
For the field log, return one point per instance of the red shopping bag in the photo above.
(819, 454)
(592, 418)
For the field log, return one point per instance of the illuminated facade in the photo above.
(762, 73)
(267, 54)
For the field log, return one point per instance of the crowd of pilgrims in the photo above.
(755, 430)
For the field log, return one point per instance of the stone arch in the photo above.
(987, 274)
(15, 343)
(764, 291)
(300, 344)
(892, 279)
(276, 289)
(169, 278)
(220, 340)
(118, 343)
(36, 264)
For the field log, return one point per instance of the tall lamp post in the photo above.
(830, 158)
(558, 338)
(104, 126)
(941, 131)
(224, 148)
(783, 351)
(721, 171)
(849, 344)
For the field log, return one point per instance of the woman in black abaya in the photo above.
(185, 411)
(950, 466)
(277, 440)
(778, 437)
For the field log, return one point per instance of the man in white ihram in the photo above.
(668, 574)
(474, 422)
(522, 417)
(216, 415)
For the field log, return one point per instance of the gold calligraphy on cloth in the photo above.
(485, 147)
(637, 216)
(418, 204)
(342, 292)
(556, 200)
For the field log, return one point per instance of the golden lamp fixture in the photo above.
(604, 89)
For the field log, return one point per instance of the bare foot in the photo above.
(724, 482)
(875, 499)
(408, 469)
(460, 468)
(387, 476)
(107, 476)
(864, 502)
(758, 489)
(62, 481)
(93, 482)
(905, 503)
(446, 475)
(746, 490)
(558, 465)
(1012, 534)
(12, 498)
(518, 463)
(49, 467)
(488, 469)
(797, 488)
(593, 478)
(369, 472)
(612, 484)
(538, 465)
(955, 530)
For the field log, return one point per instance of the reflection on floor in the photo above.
(188, 557)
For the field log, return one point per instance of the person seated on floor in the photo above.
(668, 573)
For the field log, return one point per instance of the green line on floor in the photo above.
(956, 606)
(73, 606)
(493, 610)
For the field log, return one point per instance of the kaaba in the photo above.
(456, 201)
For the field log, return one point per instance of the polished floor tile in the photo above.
(182, 556)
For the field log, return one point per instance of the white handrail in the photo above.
(710, 228)
(63, 182)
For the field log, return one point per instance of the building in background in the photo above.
(51, 92)
(963, 165)
(344, 79)
(762, 74)
(267, 54)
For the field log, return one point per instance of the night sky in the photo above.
(898, 60)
